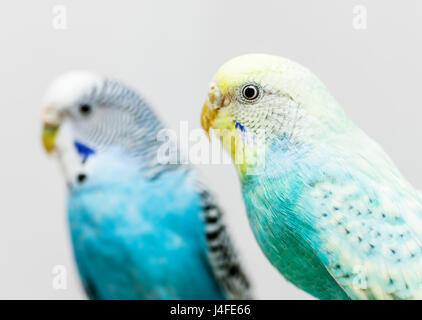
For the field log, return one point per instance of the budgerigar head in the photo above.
(269, 97)
(86, 115)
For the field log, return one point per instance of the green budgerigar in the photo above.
(326, 204)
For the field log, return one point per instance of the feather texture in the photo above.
(141, 229)
(326, 204)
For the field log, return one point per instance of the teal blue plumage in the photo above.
(141, 227)
(137, 238)
(279, 214)
(327, 206)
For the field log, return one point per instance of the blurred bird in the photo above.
(140, 229)
(327, 206)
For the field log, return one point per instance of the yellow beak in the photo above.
(51, 123)
(207, 118)
(49, 137)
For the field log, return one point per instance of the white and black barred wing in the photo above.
(221, 252)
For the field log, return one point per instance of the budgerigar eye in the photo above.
(85, 109)
(250, 92)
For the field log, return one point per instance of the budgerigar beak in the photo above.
(51, 119)
(207, 117)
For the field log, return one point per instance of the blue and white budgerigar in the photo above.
(140, 229)
(326, 204)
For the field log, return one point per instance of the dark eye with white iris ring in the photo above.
(85, 109)
(250, 92)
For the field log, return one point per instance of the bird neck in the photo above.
(140, 141)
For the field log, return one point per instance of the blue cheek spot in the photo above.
(84, 151)
(237, 124)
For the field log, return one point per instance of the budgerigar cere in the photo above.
(140, 229)
(326, 204)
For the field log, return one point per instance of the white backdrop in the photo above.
(169, 50)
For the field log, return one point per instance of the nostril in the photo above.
(81, 177)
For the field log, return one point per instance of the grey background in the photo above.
(169, 50)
